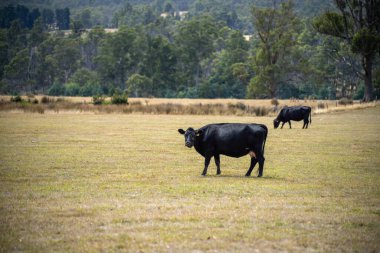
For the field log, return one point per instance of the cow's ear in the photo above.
(199, 132)
(181, 131)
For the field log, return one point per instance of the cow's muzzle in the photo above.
(188, 144)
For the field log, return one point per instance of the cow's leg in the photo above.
(282, 124)
(207, 162)
(305, 122)
(261, 160)
(253, 163)
(217, 163)
(290, 125)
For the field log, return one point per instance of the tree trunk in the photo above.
(368, 85)
(272, 88)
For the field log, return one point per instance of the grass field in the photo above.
(126, 183)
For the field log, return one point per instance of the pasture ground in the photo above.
(126, 183)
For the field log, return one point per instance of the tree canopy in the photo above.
(179, 48)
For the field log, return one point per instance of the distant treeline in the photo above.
(60, 18)
(195, 54)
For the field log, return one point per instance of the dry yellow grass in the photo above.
(257, 107)
(126, 183)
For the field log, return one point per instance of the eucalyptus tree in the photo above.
(90, 46)
(158, 63)
(226, 73)
(277, 29)
(118, 57)
(358, 23)
(195, 42)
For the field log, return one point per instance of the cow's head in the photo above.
(190, 135)
(276, 123)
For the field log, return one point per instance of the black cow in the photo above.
(230, 139)
(296, 113)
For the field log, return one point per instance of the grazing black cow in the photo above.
(230, 139)
(296, 113)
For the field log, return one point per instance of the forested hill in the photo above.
(102, 12)
(190, 48)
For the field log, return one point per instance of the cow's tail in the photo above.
(265, 138)
(310, 117)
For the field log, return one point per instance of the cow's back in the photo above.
(297, 113)
(234, 139)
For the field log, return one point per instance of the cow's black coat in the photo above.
(296, 113)
(230, 139)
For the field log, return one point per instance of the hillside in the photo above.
(102, 12)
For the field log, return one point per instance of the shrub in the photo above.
(119, 98)
(345, 101)
(47, 100)
(16, 99)
(98, 100)
(274, 102)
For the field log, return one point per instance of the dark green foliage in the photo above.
(359, 94)
(56, 89)
(201, 54)
(16, 99)
(357, 23)
(63, 18)
(98, 100)
(119, 97)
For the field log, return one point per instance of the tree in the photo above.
(16, 38)
(32, 16)
(37, 34)
(4, 47)
(22, 14)
(118, 57)
(16, 73)
(139, 85)
(224, 80)
(76, 28)
(90, 46)
(277, 30)
(63, 18)
(357, 23)
(85, 18)
(46, 69)
(195, 42)
(47, 17)
(67, 57)
(159, 64)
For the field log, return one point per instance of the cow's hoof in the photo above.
(203, 174)
(218, 173)
(260, 175)
(247, 175)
